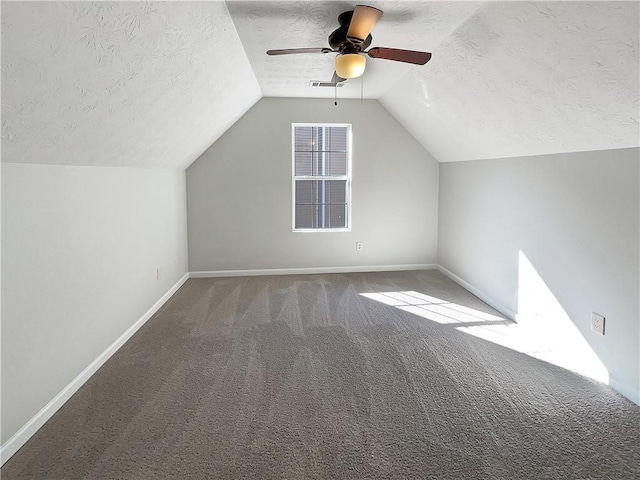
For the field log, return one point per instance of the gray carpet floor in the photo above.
(301, 377)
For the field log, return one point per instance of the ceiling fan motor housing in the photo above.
(344, 19)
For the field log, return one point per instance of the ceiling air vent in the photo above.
(317, 83)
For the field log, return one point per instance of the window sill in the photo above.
(318, 230)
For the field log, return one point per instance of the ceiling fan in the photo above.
(351, 40)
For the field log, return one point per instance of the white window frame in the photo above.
(346, 177)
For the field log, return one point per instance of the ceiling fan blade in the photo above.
(363, 20)
(337, 78)
(290, 51)
(399, 55)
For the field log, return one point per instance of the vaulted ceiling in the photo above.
(154, 84)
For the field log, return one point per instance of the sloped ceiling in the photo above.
(155, 83)
(521, 78)
(120, 83)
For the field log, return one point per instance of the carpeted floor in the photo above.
(296, 377)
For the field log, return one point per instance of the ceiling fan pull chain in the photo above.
(335, 94)
(362, 90)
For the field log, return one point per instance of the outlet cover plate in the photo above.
(597, 323)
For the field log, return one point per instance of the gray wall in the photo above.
(80, 248)
(575, 217)
(239, 193)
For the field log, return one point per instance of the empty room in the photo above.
(320, 239)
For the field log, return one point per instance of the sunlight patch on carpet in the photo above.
(544, 330)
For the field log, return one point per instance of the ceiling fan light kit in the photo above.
(363, 20)
(350, 65)
(350, 42)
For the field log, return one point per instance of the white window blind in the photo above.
(321, 176)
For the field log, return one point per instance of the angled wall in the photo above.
(126, 84)
(239, 194)
(527, 78)
(575, 217)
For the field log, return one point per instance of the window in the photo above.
(321, 177)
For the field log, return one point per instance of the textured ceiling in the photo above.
(110, 83)
(155, 83)
(523, 78)
(264, 25)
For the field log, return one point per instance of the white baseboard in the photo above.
(39, 419)
(625, 390)
(480, 294)
(312, 270)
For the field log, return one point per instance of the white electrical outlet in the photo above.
(358, 246)
(597, 323)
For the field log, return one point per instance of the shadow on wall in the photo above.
(544, 330)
